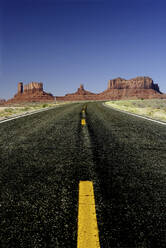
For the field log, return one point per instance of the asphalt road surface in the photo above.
(43, 158)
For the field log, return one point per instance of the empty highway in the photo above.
(44, 159)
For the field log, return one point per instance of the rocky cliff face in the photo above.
(2, 101)
(33, 87)
(79, 95)
(136, 88)
(135, 83)
(32, 92)
(119, 88)
(81, 91)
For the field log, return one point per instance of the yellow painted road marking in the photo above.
(88, 235)
(83, 122)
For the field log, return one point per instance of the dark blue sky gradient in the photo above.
(64, 43)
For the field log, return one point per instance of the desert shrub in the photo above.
(45, 105)
(8, 110)
(25, 109)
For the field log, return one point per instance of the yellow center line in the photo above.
(88, 235)
(83, 122)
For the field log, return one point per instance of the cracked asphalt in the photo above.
(44, 156)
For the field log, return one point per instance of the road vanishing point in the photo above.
(84, 176)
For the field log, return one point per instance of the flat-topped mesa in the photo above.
(33, 87)
(135, 83)
(2, 101)
(119, 88)
(32, 92)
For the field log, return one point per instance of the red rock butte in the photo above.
(80, 94)
(136, 88)
(2, 101)
(119, 88)
(32, 92)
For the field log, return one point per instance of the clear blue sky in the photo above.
(64, 43)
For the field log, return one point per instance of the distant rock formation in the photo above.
(20, 88)
(32, 92)
(135, 83)
(2, 101)
(136, 88)
(80, 94)
(119, 88)
(33, 87)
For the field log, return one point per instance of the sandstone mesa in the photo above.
(2, 101)
(118, 88)
(32, 92)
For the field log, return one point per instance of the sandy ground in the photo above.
(12, 111)
(3, 108)
(155, 109)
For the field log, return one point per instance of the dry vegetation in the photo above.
(18, 109)
(155, 109)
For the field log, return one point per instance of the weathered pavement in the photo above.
(44, 157)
